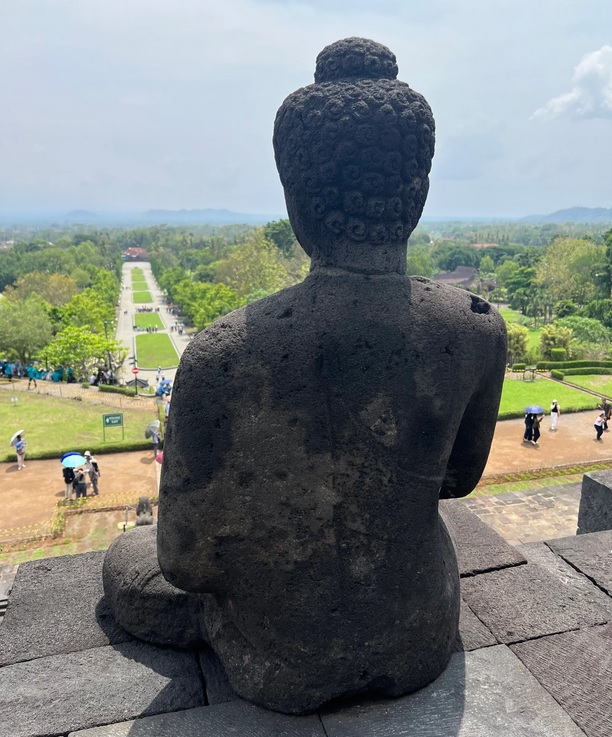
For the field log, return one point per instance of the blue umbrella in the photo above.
(534, 409)
(70, 453)
(73, 461)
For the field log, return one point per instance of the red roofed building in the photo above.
(135, 254)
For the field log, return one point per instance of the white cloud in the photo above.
(591, 93)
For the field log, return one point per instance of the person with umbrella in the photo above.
(80, 483)
(152, 432)
(20, 445)
(533, 417)
(70, 461)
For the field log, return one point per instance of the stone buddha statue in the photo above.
(314, 431)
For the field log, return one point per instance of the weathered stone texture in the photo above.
(595, 511)
(60, 693)
(590, 554)
(57, 606)
(576, 668)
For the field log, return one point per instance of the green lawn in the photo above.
(155, 349)
(600, 384)
(519, 394)
(140, 286)
(137, 270)
(55, 426)
(148, 320)
(141, 297)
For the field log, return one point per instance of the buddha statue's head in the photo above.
(354, 152)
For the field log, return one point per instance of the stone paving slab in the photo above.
(473, 634)
(568, 576)
(591, 554)
(56, 606)
(479, 548)
(486, 693)
(529, 601)
(60, 693)
(576, 669)
(530, 516)
(238, 718)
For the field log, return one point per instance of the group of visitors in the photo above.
(75, 479)
(177, 326)
(533, 420)
(147, 309)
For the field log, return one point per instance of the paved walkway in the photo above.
(125, 332)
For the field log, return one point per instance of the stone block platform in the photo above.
(533, 658)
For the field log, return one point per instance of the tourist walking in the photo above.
(155, 441)
(20, 450)
(536, 428)
(607, 410)
(528, 435)
(68, 474)
(555, 411)
(599, 425)
(93, 471)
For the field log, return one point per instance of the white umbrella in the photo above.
(15, 436)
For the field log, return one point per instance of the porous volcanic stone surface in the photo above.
(60, 693)
(473, 634)
(142, 601)
(313, 431)
(524, 602)
(56, 606)
(216, 685)
(542, 554)
(595, 511)
(239, 719)
(590, 554)
(481, 694)
(576, 668)
(479, 548)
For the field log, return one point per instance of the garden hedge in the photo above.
(586, 371)
(559, 375)
(547, 365)
(519, 366)
(117, 390)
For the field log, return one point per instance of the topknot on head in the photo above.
(355, 58)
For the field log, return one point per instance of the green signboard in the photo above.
(114, 420)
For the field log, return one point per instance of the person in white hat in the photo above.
(93, 470)
(555, 411)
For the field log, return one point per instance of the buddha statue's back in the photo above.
(313, 432)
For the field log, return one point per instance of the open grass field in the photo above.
(148, 320)
(517, 395)
(141, 298)
(140, 286)
(155, 349)
(54, 425)
(513, 316)
(599, 384)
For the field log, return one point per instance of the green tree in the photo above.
(505, 271)
(518, 337)
(83, 350)
(555, 336)
(281, 234)
(87, 309)
(25, 328)
(585, 329)
(216, 300)
(419, 262)
(254, 265)
(568, 268)
(486, 264)
(56, 289)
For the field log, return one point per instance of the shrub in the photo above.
(519, 366)
(126, 390)
(556, 374)
(573, 364)
(558, 354)
(587, 371)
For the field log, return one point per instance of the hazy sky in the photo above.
(138, 104)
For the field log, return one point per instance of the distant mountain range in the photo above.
(573, 215)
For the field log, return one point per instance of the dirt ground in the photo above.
(572, 443)
(28, 497)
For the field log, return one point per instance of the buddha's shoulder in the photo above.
(456, 306)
